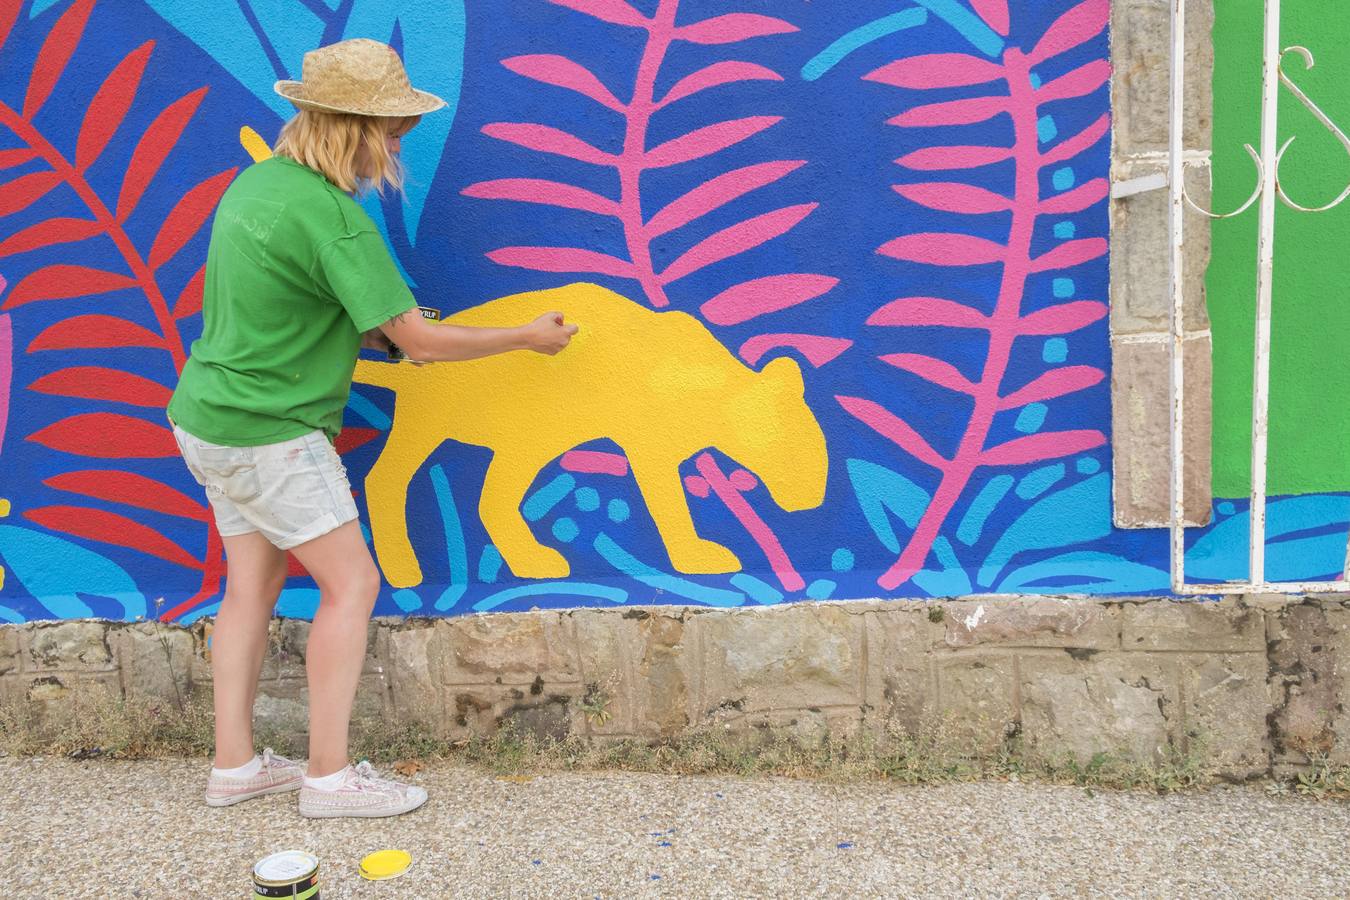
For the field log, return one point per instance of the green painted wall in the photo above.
(1310, 368)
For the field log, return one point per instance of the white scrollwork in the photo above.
(1317, 112)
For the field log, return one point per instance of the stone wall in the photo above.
(1260, 681)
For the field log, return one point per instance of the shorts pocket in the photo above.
(231, 471)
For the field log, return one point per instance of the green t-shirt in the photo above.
(295, 272)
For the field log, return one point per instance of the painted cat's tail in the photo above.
(383, 374)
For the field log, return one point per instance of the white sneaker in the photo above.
(277, 776)
(361, 794)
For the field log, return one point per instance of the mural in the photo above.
(840, 274)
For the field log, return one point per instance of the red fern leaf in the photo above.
(190, 301)
(9, 12)
(549, 193)
(100, 383)
(707, 140)
(731, 28)
(927, 311)
(716, 75)
(16, 157)
(94, 331)
(59, 282)
(130, 489)
(939, 372)
(109, 106)
(758, 296)
(1079, 25)
(107, 436)
(564, 73)
(1052, 384)
(1039, 447)
(547, 139)
(349, 439)
(717, 193)
(562, 259)
(24, 191)
(615, 12)
(1064, 318)
(111, 528)
(48, 233)
(188, 216)
(892, 427)
(952, 196)
(153, 147)
(736, 239)
(1078, 199)
(54, 55)
(936, 70)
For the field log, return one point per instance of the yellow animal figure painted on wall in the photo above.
(657, 384)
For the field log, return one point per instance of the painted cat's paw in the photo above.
(538, 562)
(700, 557)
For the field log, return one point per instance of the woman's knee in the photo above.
(356, 593)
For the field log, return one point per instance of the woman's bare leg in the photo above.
(257, 572)
(348, 584)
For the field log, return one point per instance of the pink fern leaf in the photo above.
(562, 259)
(924, 311)
(1039, 447)
(937, 371)
(818, 349)
(564, 73)
(952, 112)
(931, 159)
(731, 28)
(937, 249)
(736, 239)
(716, 75)
(718, 192)
(548, 193)
(1064, 318)
(1071, 147)
(1072, 253)
(707, 140)
(936, 70)
(758, 296)
(1077, 26)
(1078, 83)
(546, 139)
(892, 427)
(1078, 199)
(954, 197)
(616, 12)
(1052, 384)
(994, 13)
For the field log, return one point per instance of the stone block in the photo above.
(1225, 704)
(70, 645)
(901, 688)
(1309, 657)
(9, 649)
(1193, 626)
(1141, 44)
(1141, 430)
(1042, 622)
(509, 649)
(802, 656)
(413, 663)
(633, 667)
(1105, 702)
(977, 698)
(154, 660)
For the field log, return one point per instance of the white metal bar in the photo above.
(1265, 260)
(1280, 587)
(1176, 209)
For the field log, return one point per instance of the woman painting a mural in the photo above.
(297, 279)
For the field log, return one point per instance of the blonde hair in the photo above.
(329, 143)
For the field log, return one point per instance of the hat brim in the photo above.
(418, 104)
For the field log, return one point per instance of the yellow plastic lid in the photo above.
(385, 864)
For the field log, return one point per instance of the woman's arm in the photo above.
(423, 341)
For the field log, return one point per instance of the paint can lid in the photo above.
(385, 864)
(285, 868)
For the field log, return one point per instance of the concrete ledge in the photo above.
(1260, 682)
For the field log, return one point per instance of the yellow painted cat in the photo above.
(657, 384)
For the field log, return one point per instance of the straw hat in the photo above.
(357, 76)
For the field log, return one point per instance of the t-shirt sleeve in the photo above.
(357, 269)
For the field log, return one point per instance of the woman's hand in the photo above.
(548, 334)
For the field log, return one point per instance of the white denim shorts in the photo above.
(291, 492)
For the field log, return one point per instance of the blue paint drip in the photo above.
(1065, 230)
(842, 560)
(1031, 418)
(831, 56)
(564, 588)
(548, 496)
(588, 499)
(972, 523)
(1056, 350)
(489, 564)
(630, 565)
(618, 510)
(455, 549)
(407, 600)
(368, 411)
(970, 26)
(820, 589)
(759, 591)
(1035, 483)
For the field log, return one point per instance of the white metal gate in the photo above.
(1268, 190)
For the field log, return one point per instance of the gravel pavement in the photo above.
(139, 829)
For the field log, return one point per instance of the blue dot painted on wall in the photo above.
(1088, 466)
(820, 589)
(1226, 508)
(1056, 350)
(588, 499)
(842, 560)
(618, 510)
(1031, 418)
(1065, 230)
(1046, 129)
(1063, 179)
(1064, 288)
(407, 600)
(565, 530)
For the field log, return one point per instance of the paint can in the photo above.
(291, 873)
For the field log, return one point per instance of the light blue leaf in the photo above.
(989, 497)
(1221, 553)
(1074, 515)
(298, 603)
(1102, 573)
(879, 489)
(55, 571)
(39, 7)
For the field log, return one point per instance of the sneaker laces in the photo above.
(270, 759)
(364, 778)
